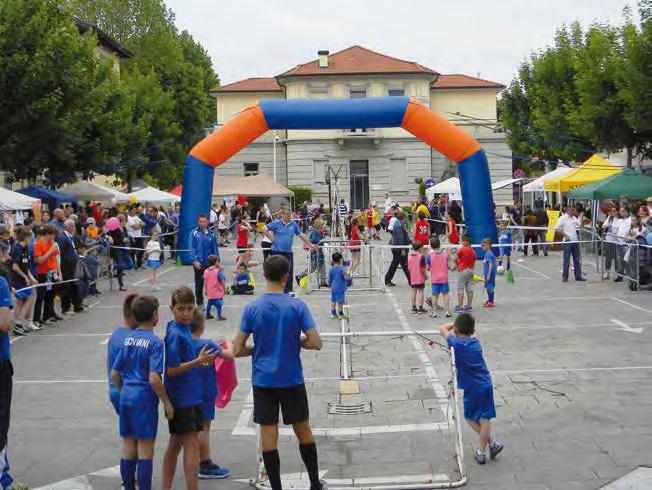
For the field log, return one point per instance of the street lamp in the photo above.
(276, 140)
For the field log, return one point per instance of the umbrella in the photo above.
(13, 201)
(153, 195)
(627, 183)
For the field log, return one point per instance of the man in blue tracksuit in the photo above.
(202, 244)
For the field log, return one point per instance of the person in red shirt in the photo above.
(465, 261)
(370, 221)
(355, 244)
(46, 253)
(451, 231)
(421, 229)
(242, 244)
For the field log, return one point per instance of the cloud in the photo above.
(264, 38)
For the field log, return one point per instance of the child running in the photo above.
(184, 387)
(505, 242)
(421, 229)
(242, 281)
(417, 267)
(153, 256)
(136, 373)
(451, 231)
(489, 268)
(465, 260)
(439, 262)
(474, 378)
(208, 469)
(337, 279)
(214, 287)
(116, 341)
(242, 244)
(355, 245)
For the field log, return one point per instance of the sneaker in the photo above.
(480, 457)
(433, 314)
(494, 449)
(292, 294)
(322, 486)
(488, 304)
(56, 318)
(68, 313)
(459, 309)
(580, 279)
(414, 309)
(467, 309)
(221, 319)
(35, 326)
(390, 284)
(422, 310)
(448, 314)
(78, 310)
(211, 471)
(343, 316)
(20, 329)
(209, 317)
(334, 317)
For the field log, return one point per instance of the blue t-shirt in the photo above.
(141, 354)
(337, 280)
(5, 301)
(242, 279)
(504, 237)
(472, 372)
(116, 341)
(207, 373)
(489, 258)
(283, 235)
(276, 322)
(184, 390)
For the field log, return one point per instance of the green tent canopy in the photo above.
(628, 183)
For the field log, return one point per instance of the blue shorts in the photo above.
(479, 404)
(339, 298)
(208, 411)
(24, 294)
(140, 421)
(506, 251)
(114, 396)
(153, 264)
(440, 288)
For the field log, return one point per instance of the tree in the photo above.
(59, 102)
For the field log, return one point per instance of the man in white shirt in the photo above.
(623, 228)
(135, 233)
(392, 221)
(213, 216)
(388, 202)
(569, 226)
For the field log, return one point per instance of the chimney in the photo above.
(323, 58)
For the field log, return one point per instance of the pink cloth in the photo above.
(212, 283)
(439, 268)
(416, 263)
(227, 380)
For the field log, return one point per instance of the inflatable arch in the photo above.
(375, 112)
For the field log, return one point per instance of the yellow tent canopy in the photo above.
(594, 169)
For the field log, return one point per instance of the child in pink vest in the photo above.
(214, 287)
(417, 269)
(439, 263)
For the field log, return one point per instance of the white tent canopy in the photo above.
(252, 186)
(537, 184)
(89, 191)
(154, 196)
(452, 187)
(13, 201)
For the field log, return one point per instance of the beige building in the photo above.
(107, 47)
(368, 162)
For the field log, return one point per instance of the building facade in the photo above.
(364, 163)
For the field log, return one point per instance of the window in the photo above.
(318, 91)
(319, 171)
(398, 174)
(250, 169)
(357, 93)
(396, 92)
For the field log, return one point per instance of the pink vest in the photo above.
(439, 268)
(214, 288)
(417, 274)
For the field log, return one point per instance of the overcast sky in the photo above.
(266, 37)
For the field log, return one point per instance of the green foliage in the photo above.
(422, 190)
(301, 194)
(591, 90)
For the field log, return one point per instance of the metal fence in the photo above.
(628, 259)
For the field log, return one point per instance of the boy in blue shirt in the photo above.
(136, 373)
(241, 280)
(208, 469)
(281, 326)
(184, 387)
(116, 341)
(489, 267)
(337, 278)
(6, 369)
(505, 242)
(474, 378)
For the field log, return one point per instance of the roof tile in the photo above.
(256, 84)
(463, 81)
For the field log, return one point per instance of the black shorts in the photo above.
(293, 402)
(186, 420)
(418, 286)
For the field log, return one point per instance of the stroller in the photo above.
(640, 264)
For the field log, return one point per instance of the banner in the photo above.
(553, 217)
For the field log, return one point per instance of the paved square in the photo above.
(570, 362)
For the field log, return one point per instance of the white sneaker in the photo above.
(34, 326)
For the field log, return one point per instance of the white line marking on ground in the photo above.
(59, 381)
(626, 328)
(572, 370)
(105, 341)
(15, 339)
(352, 431)
(387, 480)
(77, 483)
(531, 270)
(157, 275)
(507, 328)
(629, 304)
